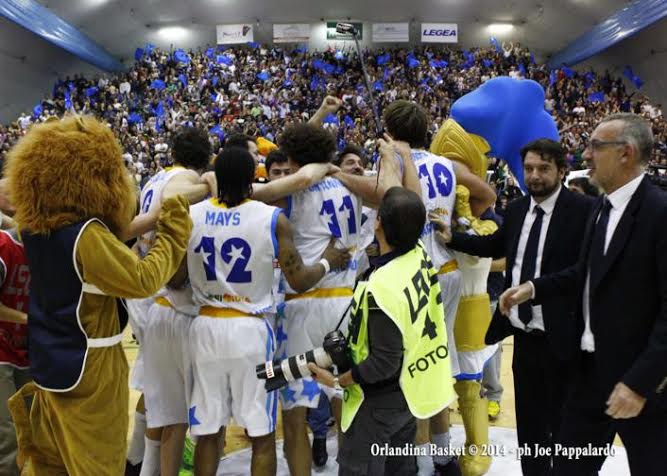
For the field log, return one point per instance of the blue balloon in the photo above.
(509, 113)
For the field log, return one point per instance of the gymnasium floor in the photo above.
(502, 433)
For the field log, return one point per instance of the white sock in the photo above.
(424, 463)
(135, 450)
(151, 464)
(442, 440)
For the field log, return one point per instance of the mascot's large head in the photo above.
(500, 117)
(67, 171)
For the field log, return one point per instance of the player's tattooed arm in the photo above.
(300, 276)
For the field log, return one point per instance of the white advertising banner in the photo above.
(440, 33)
(233, 34)
(391, 32)
(291, 32)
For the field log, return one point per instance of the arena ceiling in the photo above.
(545, 26)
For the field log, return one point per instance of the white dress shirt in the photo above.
(548, 205)
(619, 200)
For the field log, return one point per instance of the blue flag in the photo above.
(634, 79)
(412, 61)
(215, 80)
(378, 86)
(158, 84)
(134, 118)
(253, 44)
(496, 44)
(387, 74)
(568, 72)
(159, 110)
(341, 143)
(487, 63)
(438, 63)
(37, 110)
(383, 59)
(210, 53)
(224, 59)
(148, 49)
(301, 49)
(553, 77)
(217, 131)
(184, 80)
(331, 119)
(181, 56)
(349, 122)
(68, 100)
(339, 70)
(264, 75)
(92, 91)
(522, 69)
(596, 97)
(138, 54)
(589, 78)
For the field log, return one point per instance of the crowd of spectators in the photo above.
(257, 90)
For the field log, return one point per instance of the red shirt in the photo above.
(13, 293)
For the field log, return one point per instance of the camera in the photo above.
(345, 29)
(333, 352)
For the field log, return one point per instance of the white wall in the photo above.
(646, 53)
(29, 66)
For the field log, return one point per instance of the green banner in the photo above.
(333, 35)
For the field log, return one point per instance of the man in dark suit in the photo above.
(620, 284)
(542, 234)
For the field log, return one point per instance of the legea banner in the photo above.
(231, 34)
(440, 33)
(391, 32)
(291, 32)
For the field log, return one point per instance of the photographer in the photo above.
(397, 346)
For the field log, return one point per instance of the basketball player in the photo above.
(14, 365)
(407, 123)
(230, 266)
(159, 329)
(324, 209)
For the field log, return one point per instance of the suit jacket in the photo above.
(561, 250)
(628, 301)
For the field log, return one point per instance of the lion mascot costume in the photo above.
(73, 198)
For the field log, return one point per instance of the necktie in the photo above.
(596, 254)
(530, 260)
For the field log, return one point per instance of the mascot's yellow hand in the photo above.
(175, 217)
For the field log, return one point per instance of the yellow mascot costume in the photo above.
(73, 197)
(474, 313)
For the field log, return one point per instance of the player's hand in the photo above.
(514, 296)
(316, 172)
(401, 147)
(209, 179)
(443, 233)
(321, 376)
(330, 105)
(624, 402)
(338, 258)
(372, 250)
(386, 148)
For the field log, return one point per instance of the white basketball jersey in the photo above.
(149, 200)
(438, 184)
(324, 210)
(230, 255)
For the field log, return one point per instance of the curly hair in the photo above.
(63, 172)
(191, 148)
(307, 144)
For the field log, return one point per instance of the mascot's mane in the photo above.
(63, 172)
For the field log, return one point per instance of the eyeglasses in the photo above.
(596, 145)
